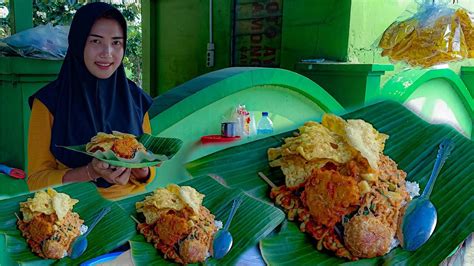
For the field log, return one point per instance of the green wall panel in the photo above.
(352, 85)
(179, 37)
(19, 79)
(314, 29)
(15, 117)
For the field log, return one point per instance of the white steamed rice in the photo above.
(413, 188)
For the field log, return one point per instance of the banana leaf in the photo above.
(252, 222)
(158, 149)
(413, 144)
(111, 232)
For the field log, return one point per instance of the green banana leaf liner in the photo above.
(115, 229)
(158, 149)
(252, 222)
(413, 144)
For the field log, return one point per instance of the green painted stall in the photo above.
(19, 79)
(437, 95)
(467, 76)
(198, 107)
(352, 85)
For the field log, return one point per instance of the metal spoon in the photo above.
(223, 239)
(80, 244)
(420, 216)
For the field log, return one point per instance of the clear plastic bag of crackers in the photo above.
(437, 33)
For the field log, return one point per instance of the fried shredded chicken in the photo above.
(49, 237)
(336, 177)
(329, 196)
(181, 235)
(170, 227)
(126, 147)
(122, 144)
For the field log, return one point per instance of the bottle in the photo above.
(265, 125)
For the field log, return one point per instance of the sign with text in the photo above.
(257, 33)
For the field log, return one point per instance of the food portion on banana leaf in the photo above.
(177, 223)
(127, 150)
(412, 145)
(340, 187)
(49, 224)
(122, 144)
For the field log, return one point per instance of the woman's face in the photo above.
(104, 48)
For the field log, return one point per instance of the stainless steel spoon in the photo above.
(420, 216)
(80, 244)
(223, 239)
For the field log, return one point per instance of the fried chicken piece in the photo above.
(171, 228)
(126, 147)
(193, 250)
(53, 249)
(39, 228)
(330, 195)
(367, 236)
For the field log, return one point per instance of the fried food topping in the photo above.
(348, 195)
(368, 141)
(122, 144)
(172, 197)
(430, 38)
(49, 224)
(314, 142)
(177, 224)
(334, 140)
(47, 202)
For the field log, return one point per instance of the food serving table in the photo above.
(412, 144)
(463, 256)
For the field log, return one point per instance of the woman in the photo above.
(90, 95)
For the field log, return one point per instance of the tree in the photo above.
(4, 17)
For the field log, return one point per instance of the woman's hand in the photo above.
(119, 175)
(141, 173)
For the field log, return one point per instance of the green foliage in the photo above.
(62, 12)
(5, 30)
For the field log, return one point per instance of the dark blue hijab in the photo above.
(82, 104)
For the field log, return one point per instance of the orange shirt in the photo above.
(43, 168)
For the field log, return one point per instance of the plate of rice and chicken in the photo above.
(49, 224)
(341, 188)
(127, 150)
(177, 224)
(39, 228)
(326, 163)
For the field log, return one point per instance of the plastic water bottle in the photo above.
(265, 125)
